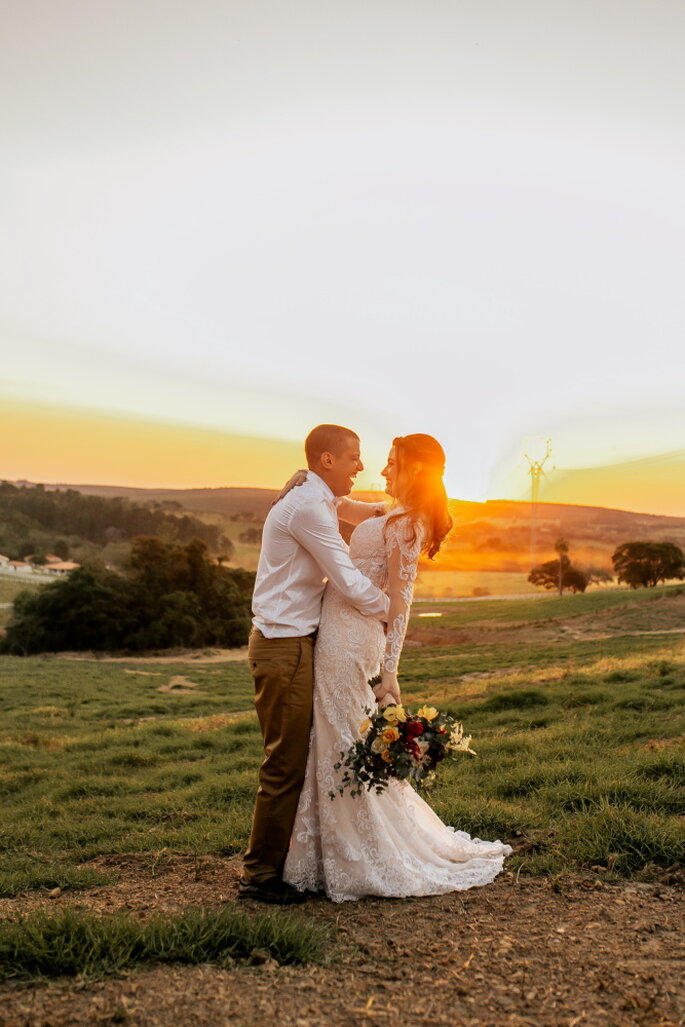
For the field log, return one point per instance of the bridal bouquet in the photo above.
(397, 743)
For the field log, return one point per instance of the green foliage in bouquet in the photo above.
(397, 743)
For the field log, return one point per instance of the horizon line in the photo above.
(256, 488)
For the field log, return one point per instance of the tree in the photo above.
(173, 596)
(560, 573)
(645, 564)
(251, 536)
(37, 516)
(561, 549)
(598, 576)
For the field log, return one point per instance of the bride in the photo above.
(390, 844)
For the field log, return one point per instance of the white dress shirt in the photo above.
(301, 550)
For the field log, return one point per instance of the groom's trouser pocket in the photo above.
(282, 669)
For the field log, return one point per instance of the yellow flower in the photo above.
(363, 728)
(391, 734)
(428, 712)
(394, 714)
(387, 756)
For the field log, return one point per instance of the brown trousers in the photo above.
(283, 672)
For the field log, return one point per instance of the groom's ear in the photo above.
(326, 459)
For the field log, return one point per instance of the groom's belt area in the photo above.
(282, 638)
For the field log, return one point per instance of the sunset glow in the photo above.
(51, 445)
(414, 219)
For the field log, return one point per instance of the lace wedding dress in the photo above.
(390, 844)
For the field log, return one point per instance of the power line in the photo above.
(535, 469)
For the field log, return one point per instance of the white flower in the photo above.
(458, 741)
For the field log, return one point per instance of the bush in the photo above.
(173, 596)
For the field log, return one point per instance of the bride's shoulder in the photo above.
(403, 529)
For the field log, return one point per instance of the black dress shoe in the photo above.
(274, 891)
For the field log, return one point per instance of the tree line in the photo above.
(172, 596)
(34, 519)
(638, 564)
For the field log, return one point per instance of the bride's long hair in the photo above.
(422, 459)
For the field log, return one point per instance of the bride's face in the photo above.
(394, 478)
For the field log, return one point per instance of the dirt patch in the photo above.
(180, 684)
(518, 952)
(178, 656)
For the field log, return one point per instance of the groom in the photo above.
(301, 550)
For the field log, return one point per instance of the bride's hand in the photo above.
(386, 700)
(387, 686)
(298, 478)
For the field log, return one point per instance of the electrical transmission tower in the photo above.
(535, 469)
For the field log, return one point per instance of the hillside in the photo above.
(129, 791)
(230, 501)
(495, 536)
(492, 537)
(226, 501)
(35, 521)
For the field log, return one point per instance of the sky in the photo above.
(222, 223)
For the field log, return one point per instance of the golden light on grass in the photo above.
(50, 743)
(54, 444)
(215, 721)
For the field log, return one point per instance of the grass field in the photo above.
(441, 583)
(547, 607)
(580, 748)
(9, 590)
(11, 587)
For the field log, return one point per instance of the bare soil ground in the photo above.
(524, 952)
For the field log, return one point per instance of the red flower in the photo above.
(414, 728)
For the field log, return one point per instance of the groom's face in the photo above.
(343, 468)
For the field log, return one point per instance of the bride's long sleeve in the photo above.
(403, 548)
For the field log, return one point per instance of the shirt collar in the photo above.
(321, 485)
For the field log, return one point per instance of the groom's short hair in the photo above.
(327, 438)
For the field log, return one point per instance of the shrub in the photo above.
(173, 596)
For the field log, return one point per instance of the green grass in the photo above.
(573, 739)
(11, 587)
(72, 942)
(9, 590)
(540, 608)
(436, 671)
(589, 775)
(33, 874)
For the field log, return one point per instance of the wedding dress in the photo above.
(390, 844)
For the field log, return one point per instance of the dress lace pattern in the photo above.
(392, 844)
